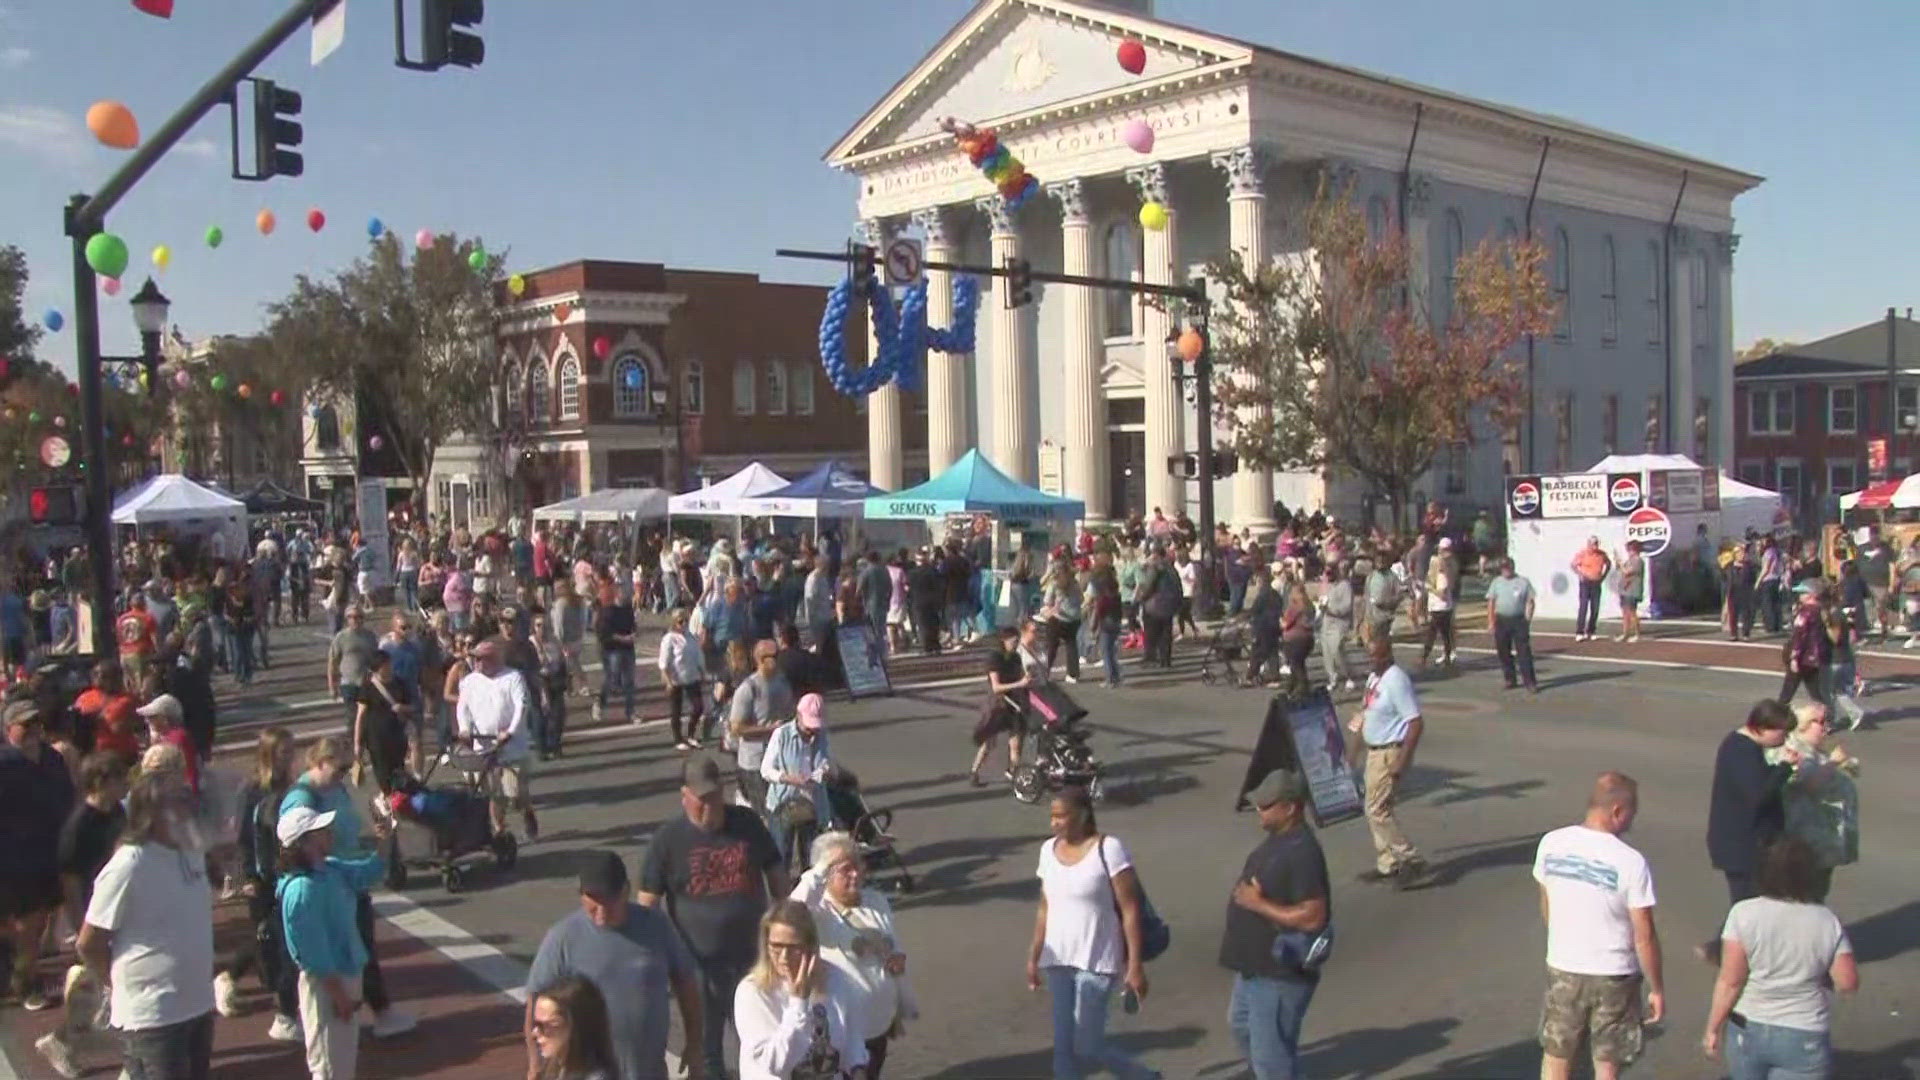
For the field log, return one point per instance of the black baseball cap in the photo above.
(603, 876)
(702, 776)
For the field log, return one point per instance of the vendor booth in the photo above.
(1662, 500)
(609, 504)
(267, 498)
(730, 497)
(830, 491)
(185, 510)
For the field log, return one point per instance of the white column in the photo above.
(946, 372)
(1164, 402)
(1679, 411)
(1012, 449)
(886, 466)
(1419, 200)
(1723, 361)
(1085, 429)
(1247, 236)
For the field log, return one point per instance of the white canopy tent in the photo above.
(187, 506)
(732, 497)
(609, 504)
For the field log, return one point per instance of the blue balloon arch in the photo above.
(903, 335)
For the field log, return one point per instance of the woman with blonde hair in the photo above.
(857, 937)
(796, 1015)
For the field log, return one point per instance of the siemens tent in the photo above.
(973, 486)
(830, 491)
(608, 504)
(730, 497)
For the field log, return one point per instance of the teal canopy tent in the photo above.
(973, 486)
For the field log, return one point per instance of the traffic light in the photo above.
(1225, 463)
(1186, 466)
(274, 136)
(861, 261)
(1019, 281)
(441, 43)
(59, 504)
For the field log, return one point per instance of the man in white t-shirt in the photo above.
(148, 933)
(1596, 895)
(493, 712)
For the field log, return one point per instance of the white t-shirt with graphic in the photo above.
(1593, 880)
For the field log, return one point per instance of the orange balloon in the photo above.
(1190, 345)
(265, 222)
(113, 124)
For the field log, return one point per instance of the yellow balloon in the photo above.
(162, 257)
(1153, 217)
(516, 284)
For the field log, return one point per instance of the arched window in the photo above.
(800, 385)
(1122, 260)
(1563, 282)
(516, 393)
(743, 387)
(1455, 246)
(539, 393)
(1377, 217)
(630, 387)
(326, 427)
(1655, 278)
(776, 388)
(1609, 293)
(569, 389)
(693, 388)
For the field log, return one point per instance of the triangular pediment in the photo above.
(1010, 57)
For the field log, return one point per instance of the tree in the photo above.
(211, 424)
(410, 340)
(1322, 362)
(1766, 346)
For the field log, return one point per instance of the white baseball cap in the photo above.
(300, 821)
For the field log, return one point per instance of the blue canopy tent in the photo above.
(973, 486)
(830, 491)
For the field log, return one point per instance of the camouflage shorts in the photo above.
(1605, 1009)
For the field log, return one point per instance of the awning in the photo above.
(830, 491)
(1885, 495)
(729, 497)
(172, 497)
(267, 497)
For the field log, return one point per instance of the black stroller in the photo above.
(1061, 757)
(1226, 652)
(456, 818)
(871, 829)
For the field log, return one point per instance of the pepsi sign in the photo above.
(1523, 496)
(1652, 528)
(1623, 493)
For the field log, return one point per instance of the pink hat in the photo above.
(809, 710)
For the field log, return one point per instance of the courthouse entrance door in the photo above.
(1126, 475)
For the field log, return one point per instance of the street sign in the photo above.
(329, 30)
(905, 257)
(1652, 528)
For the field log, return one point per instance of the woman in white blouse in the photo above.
(797, 1017)
(1086, 939)
(857, 937)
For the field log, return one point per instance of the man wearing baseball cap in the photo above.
(633, 957)
(166, 719)
(1279, 928)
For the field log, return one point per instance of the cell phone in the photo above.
(1129, 1001)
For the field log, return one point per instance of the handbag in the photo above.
(1155, 934)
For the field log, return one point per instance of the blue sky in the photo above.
(691, 133)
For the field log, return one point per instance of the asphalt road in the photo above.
(1440, 982)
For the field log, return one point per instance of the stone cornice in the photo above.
(590, 306)
(938, 224)
(1150, 182)
(999, 218)
(1246, 168)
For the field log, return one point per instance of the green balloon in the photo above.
(477, 259)
(107, 254)
(219, 382)
(33, 417)
(214, 236)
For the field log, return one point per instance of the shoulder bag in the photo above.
(1155, 934)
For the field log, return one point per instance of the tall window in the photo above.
(693, 388)
(801, 386)
(1377, 217)
(1655, 310)
(516, 394)
(630, 387)
(1843, 410)
(777, 387)
(1770, 411)
(743, 388)
(1610, 423)
(569, 389)
(1456, 244)
(326, 428)
(1563, 282)
(1122, 251)
(1609, 294)
(539, 393)
(1907, 407)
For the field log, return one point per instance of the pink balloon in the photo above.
(110, 286)
(376, 442)
(423, 239)
(1138, 135)
(181, 379)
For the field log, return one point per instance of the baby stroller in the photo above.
(870, 829)
(1225, 652)
(456, 818)
(1061, 756)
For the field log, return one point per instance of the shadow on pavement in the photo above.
(1517, 851)
(1375, 1051)
(1581, 677)
(1514, 1061)
(1886, 935)
(1900, 1061)
(1038, 1064)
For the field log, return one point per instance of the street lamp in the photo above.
(657, 396)
(150, 307)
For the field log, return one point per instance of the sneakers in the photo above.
(1619, 637)
(34, 1000)
(285, 1029)
(1071, 680)
(393, 1022)
(1351, 686)
(533, 833)
(58, 1054)
(226, 995)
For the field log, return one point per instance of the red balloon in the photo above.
(277, 398)
(126, 440)
(602, 347)
(73, 389)
(316, 220)
(1132, 56)
(6, 366)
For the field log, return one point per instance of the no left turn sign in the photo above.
(905, 258)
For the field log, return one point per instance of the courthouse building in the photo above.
(1075, 392)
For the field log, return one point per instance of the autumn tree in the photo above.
(1322, 362)
(1766, 346)
(409, 337)
(235, 395)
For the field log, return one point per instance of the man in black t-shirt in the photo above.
(713, 870)
(1279, 928)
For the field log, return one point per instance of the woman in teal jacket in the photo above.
(317, 897)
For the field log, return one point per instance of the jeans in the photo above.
(1769, 1052)
(1159, 640)
(690, 697)
(337, 621)
(1080, 1002)
(222, 644)
(1587, 618)
(410, 591)
(261, 624)
(1770, 594)
(182, 1051)
(1236, 594)
(1439, 627)
(1110, 651)
(1265, 1016)
(718, 979)
(240, 654)
(350, 698)
(1795, 678)
(617, 671)
(1512, 638)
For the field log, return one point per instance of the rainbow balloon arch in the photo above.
(903, 335)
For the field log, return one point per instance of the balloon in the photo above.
(159, 9)
(1190, 345)
(995, 161)
(1132, 56)
(54, 319)
(33, 417)
(316, 220)
(110, 286)
(219, 382)
(162, 257)
(113, 124)
(477, 260)
(265, 221)
(602, 347)
(126, 440)
(59, 421)
(1138, 135)
(245, 390)
(375, 228)
(376, 442)
(516, 284)
(107, 254)
(214, 236)
(73, 389)
(1153, 217)
(423, 239)
(181, 379)
(276, 398)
